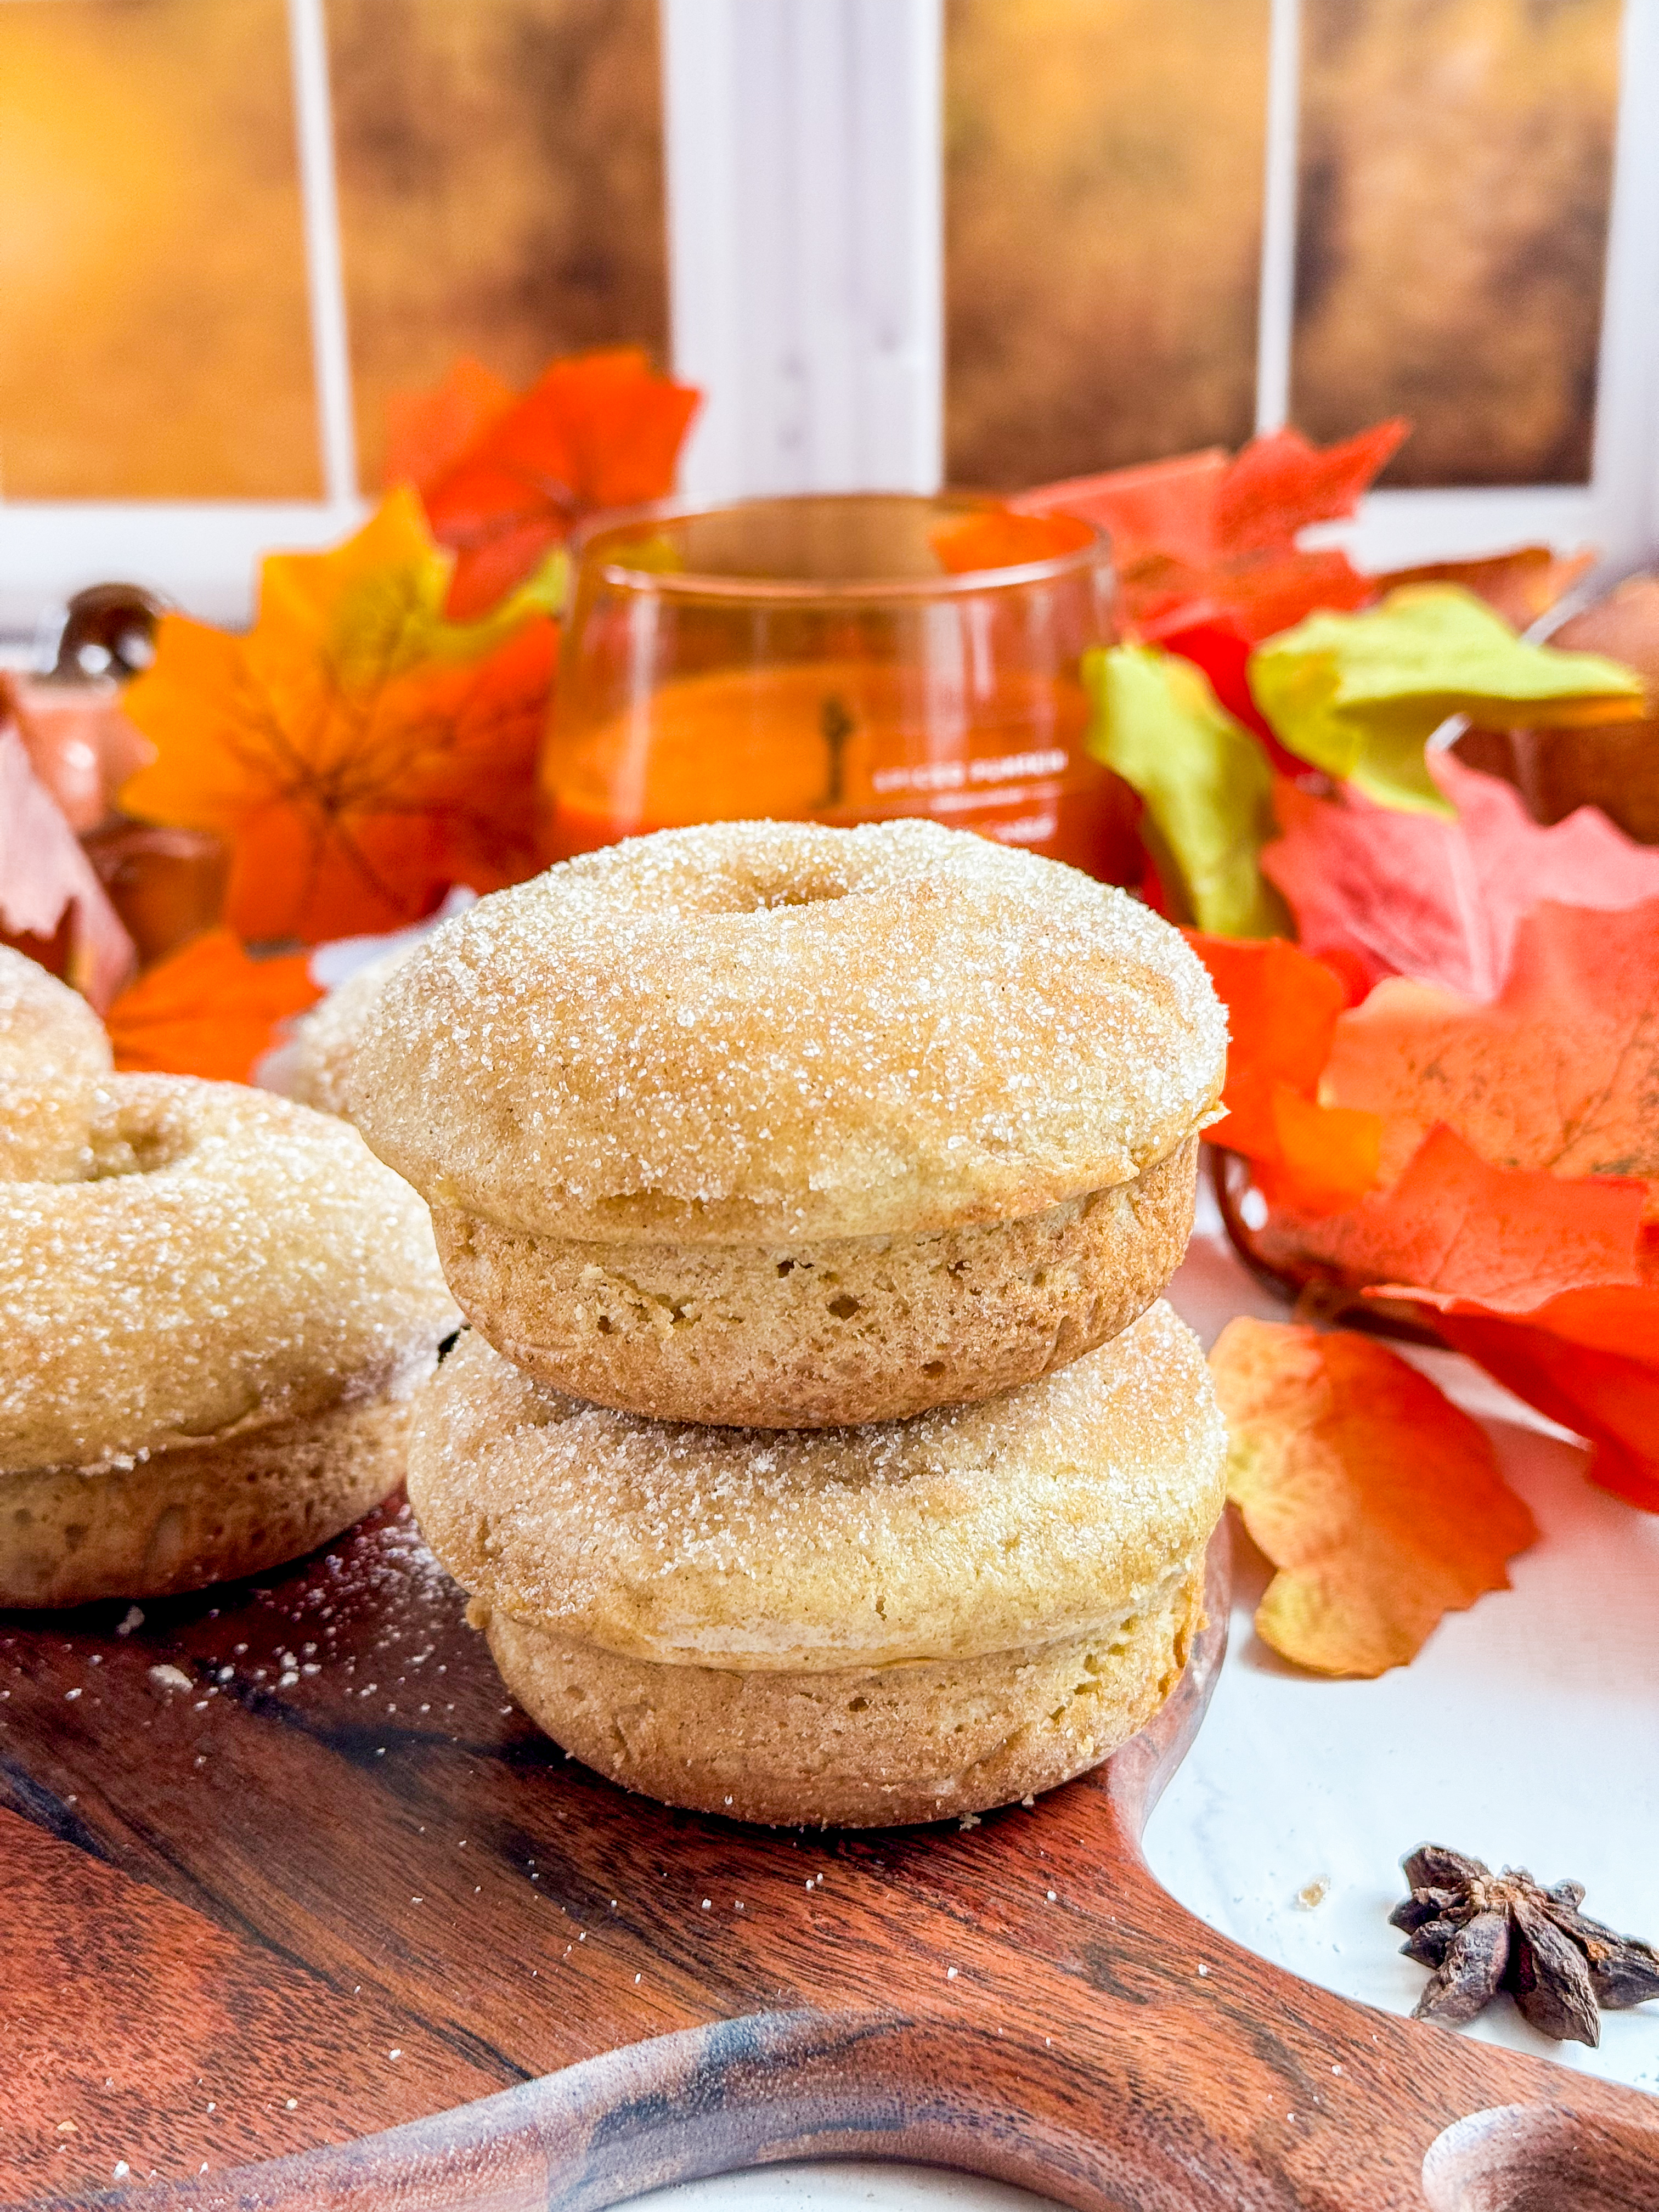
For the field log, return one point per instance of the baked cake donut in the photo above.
(774, 1124)
(323, 1050)
(45, 1029)
(216, 1306)
(852, 1626)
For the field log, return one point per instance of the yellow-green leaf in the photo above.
(1203, 779)
(1359, 695)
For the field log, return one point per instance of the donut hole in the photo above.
(763, 885)
(141, 1139)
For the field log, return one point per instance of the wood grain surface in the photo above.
(317, 1919)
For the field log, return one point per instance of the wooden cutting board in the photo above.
(299, 1910)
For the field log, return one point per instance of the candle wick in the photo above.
(836, 726)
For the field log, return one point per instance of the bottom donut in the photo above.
(196, 1514)
(856, 1747)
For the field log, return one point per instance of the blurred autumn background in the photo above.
(1104, 163)
(500, 181)
(500, 178)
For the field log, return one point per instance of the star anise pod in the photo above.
(1482, 1932)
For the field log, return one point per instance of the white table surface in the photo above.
(1526, 1732)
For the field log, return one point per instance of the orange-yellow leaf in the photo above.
(1378, 1500)
(208, 1009)
(358, 751)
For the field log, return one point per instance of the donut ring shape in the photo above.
(762, 1032)
(770, 1123)
(216, 1307)
(45, 1029)
(856, 1624)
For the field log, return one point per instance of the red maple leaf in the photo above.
(1208, 545)
(503, 476)
(1437, 899)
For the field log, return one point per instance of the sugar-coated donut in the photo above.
(856, 1626)
(770, 1123)
(215, 1306)
(323, 1051)
(45, 1029)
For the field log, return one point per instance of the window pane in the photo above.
(500, 187)
(1103, 183)
(1455, 165)
(152, 257)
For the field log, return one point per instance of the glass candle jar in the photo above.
(815, 659)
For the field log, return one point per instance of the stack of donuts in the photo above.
(217, 1307)
(821, 1451)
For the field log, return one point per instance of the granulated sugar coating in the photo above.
(45, 1029)
(1057, 1510)
(179, 1261)
(775, 1030)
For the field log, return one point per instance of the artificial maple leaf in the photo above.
(1205, 785)
(427, 433)
(1359, 695)
(998, 537)
(1280, 483)
(1377, 1499)
(503, 478)
(1559, 1071)
(208, 1009)
(359, 752)
(1434, 899)
(1520, 586)
(49, 891)
(1613, 765)
(1203, 542)
(1547, 1283)
(1283, 1009)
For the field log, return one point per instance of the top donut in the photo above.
(765, 1030)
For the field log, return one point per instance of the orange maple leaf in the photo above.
(1546, 1281)
(1379, 1502)
(1560, 1071)
(359, 752)
(1283, 1008)
(503, 476)
(208, 1009)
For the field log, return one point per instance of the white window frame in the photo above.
(205, 554)
(804, 161)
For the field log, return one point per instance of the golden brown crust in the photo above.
(179, 1260)
(758, 1033)
(199, 1513)
(45, 1029)
(858, 1747)
(1050, 1512)
(853, 1330)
